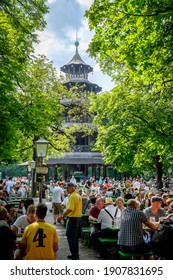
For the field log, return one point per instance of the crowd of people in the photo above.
(130, 205)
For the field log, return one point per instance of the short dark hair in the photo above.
(70, 184)
(28, 202)
(41, 210)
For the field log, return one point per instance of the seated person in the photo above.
(128, 195)
(40, 240)
(12, 214)
(155, 211)
(27, 203)
(106, 218)
(19, 226)
(7, 237)
(170, 208)
(24, 220)
(119, 206)
(165, 196)
(130, 237)
(94, 212)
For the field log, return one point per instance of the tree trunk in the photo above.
(159, 172)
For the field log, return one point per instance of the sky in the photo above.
(64, 21)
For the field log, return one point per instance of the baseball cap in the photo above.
(68, 185)
(156, 199)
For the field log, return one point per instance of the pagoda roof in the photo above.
(76, 158)
(76, 60)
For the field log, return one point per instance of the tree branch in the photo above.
(168, 9)
(150, 126)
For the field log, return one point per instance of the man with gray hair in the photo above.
(130, 236)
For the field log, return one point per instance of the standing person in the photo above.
(8, 185)
(73, 180)
(7, 237)
(58, 197)
(74, 213)
(40, 240)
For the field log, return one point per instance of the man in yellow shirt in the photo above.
(74, 213)
(40, 240)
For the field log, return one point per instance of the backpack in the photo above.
(162, 240)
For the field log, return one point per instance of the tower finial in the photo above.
(77, 42)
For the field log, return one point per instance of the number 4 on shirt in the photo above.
(39, 236)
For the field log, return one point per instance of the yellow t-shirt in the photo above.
(75, 204)
(39, 238)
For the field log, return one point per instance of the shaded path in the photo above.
(84, 252)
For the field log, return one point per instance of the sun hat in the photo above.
(61, 184)
(109, 200)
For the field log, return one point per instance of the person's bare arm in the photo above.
(55, 247)
(15, 229)
(67, 212)
(91, 218)
(168, 216)
(150, 225)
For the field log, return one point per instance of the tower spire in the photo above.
(77, 42)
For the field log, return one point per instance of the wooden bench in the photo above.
(110, 246)
(133, 256)
(16, 200)
(85, 236)
(107, 240)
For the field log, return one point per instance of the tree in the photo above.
(19, 22)
(39, 109)
(132, 44)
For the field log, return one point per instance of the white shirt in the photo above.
(57, 194)
(104, 218)
(8, 185)
(73, 180)
(136, 185)
(21, 192)
(21, 223)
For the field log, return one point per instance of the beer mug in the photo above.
(152, 219)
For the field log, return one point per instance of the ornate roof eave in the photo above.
(81, 81)
(73, 64)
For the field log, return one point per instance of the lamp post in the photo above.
(32, 166)
(41, 147)
(170, 171)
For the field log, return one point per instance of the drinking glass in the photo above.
(152, 219)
